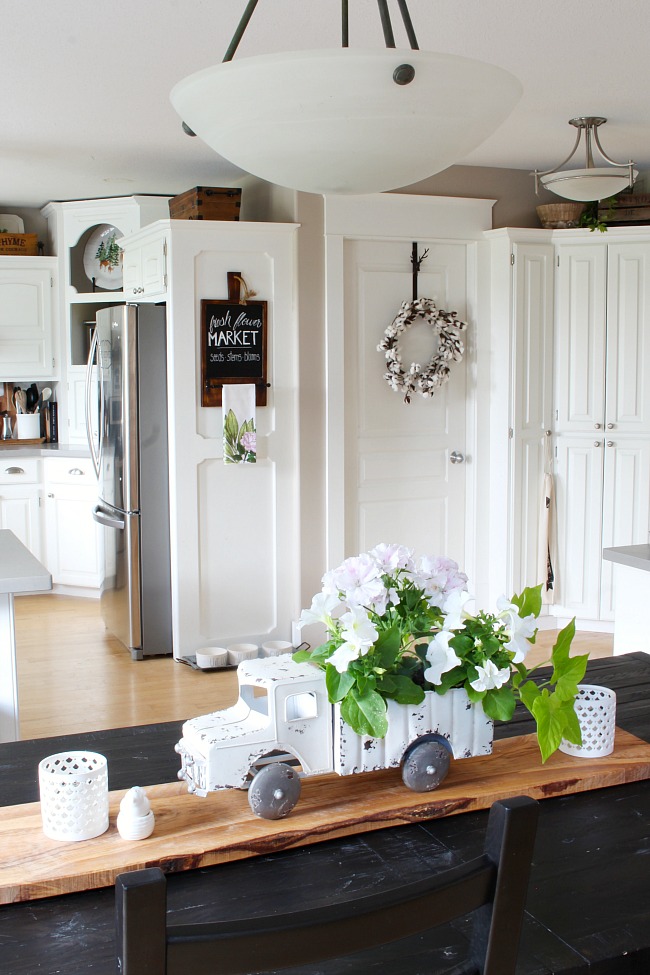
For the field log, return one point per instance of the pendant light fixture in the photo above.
(592, 182)
(343, 120)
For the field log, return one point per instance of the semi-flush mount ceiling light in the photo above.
(592, 182)
(344, 121)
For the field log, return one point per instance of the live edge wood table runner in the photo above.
(194, 832)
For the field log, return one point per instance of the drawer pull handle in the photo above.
(14, 470)
(75, 470)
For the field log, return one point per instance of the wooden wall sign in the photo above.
(233, 343)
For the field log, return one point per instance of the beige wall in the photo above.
(513, 189)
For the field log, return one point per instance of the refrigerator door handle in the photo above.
(95, 454)
(103, 517)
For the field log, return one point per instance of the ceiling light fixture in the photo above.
(344, 121)
(592, 182)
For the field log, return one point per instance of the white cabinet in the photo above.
(20, 492)
(73, 539)
(72, 230)
(518, 386)
(28, 346)
(602, 367)
(145, 266)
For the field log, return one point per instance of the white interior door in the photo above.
(400, 482)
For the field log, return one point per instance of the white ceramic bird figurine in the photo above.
(135, 820)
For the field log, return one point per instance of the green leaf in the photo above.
(401, 689)
(560, 654)
(554, 718)
(230, 427)
(499, 704)
(365, 713)
(528, 694)
(338, 685)
(570, 676)
(301, 656)
(387, 647)
(529, 603)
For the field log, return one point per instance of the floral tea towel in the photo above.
(239, 437)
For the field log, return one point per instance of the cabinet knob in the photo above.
(597, 443)
(610, 443)
(75, 470)
(597, 426)
(610, 426)
(14, 470)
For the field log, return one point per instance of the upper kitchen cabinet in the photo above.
(28, 311)
(85, 235)
(145, 265)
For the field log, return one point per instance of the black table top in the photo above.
(588, 907)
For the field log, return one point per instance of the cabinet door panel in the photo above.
(532, 385)
(628, 341)
(579, 518)
(19, 512)
(626, 491)
(73, 537)
(26, 343)
(580, 338)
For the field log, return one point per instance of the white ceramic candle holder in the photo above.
(275, 647)
(242, 651)
(74, 795)
(596, 710)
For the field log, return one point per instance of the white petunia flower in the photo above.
(518, 628)
(441, 657)
(344, 655)
(357, 629)
(489, 677)
(453, 609)
(322, 606)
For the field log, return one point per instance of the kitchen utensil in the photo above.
(20, 400)
(31, 398)
(46, 392)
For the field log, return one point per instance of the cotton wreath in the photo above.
(450, 348)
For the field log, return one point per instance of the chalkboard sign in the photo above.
(233, 344)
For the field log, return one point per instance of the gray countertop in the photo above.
(634, 556)
(12, 448)
(20, 571)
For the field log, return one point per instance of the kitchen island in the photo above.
(20, 572)
(631, 597)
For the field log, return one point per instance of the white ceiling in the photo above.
(85, 85)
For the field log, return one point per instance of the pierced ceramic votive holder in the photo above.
(596, 710)
(74, 795)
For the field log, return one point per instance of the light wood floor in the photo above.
(73, 676)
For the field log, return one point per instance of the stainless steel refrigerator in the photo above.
(126, 421)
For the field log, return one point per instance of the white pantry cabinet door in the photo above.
(580, 338)
(19, 512)
(579, 487)
(627, 398)
(626, 492)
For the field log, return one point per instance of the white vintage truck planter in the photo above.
(283, 728)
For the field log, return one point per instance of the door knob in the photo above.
(456, 457)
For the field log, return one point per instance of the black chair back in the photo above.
(493, 886)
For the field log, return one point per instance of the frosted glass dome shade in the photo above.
(586, 185)
(335, 121)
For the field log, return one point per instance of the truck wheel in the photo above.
(274, 791)
(425, 766)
